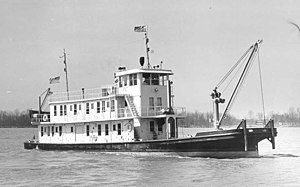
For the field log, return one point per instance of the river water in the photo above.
(20, 167)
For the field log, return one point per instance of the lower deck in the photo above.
(126, 130)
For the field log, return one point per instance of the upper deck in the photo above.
(134, 93)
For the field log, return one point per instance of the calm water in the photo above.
(20, 167)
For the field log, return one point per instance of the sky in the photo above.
(199, 40)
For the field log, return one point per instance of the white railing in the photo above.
(156, 111)
(84, 94)
(124, 112)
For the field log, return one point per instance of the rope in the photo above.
(261, 87)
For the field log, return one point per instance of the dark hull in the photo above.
(220, 144)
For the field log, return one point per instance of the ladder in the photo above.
(129, 100)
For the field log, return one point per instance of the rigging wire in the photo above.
(233, 67)
(237, 71)
(242, 82)
(242, 78)
(261, 87)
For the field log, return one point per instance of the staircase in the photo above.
(129, 100)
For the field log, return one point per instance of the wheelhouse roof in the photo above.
(146, 70)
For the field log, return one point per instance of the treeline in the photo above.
(193, 119)
(291, 118)
(198, 119)
(205, 120)
(15, 119)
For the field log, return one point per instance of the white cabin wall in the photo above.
(79, 134)
(146, 134)
(154, 91)
(81, 115)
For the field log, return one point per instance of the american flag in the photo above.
(54, 80)
(142, 28)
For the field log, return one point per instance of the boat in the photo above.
(136, 113)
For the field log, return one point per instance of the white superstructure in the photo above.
(138, 106)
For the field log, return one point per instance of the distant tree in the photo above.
(14, 119)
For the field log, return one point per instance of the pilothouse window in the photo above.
(155, 79)
(146, 78)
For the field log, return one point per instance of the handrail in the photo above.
(86, 94)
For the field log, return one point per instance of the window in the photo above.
(155, 79)
(56, 129)
(75, 109)
(87, 130)
(60, 130)
(125, 80)
(79, 107)
(71, 129)
(104, 92)
(55, 110)
(119, 128)
(87, 108)
(45, 129)
(48, 131)
(162, 80)
(159, 104)
(99, 130)
(134, 79)
(92, 106)
(107, 104)
(103, 106)
(52, 130)
(65, 110)
(61, 112)
(112, 107)
(42, 131)
(151, 126)
(120, 82)
(146, 78)
(151, 103)
(160, 127)
(71, 107)
(130, 79)
(98, 107)
(106, 129)
(114, 127)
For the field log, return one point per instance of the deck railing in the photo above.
(156, 111)
(124, 112)
(84, 94)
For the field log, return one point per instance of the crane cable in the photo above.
(241, 83)
(235, 74)
(233, 67)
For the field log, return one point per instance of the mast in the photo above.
(254, 49)
(66, 71)
(147, 48)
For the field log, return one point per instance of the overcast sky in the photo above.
(198, 40)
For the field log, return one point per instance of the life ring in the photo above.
(129, 126)
(45, 117)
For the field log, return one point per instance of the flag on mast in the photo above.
(141, 28)
(54, 80)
